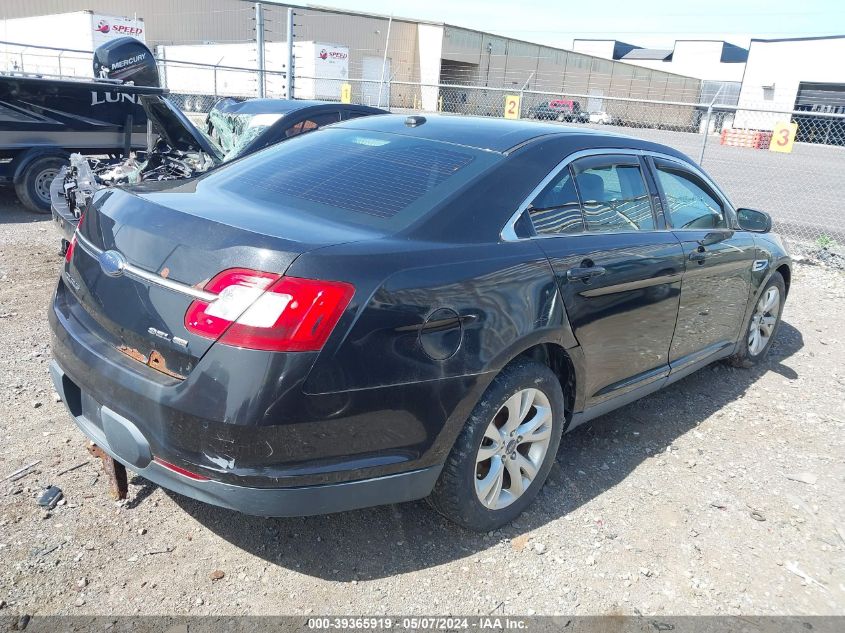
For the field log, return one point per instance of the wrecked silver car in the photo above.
(177, 149)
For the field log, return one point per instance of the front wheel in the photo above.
(763, 326)
(505, 451)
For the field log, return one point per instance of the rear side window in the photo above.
(690, 203)
(613, 195)
(369, 178)
(557, 209)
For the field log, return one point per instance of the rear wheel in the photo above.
(33, 189)
(505, 451)
(763, 326)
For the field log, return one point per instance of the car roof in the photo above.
(485, 133)
(284, 106)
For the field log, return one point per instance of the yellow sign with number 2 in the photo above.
(511, 106)
(783, 137)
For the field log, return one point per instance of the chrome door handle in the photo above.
(698, 256)
(585, 273)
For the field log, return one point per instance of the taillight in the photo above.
(259, 310)
(72, 245)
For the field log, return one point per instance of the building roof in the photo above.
(659, 54)
(800, 39)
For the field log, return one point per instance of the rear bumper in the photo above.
(126, 443)
(63, 217)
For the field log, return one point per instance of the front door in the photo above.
(620, 277)
(718, 262)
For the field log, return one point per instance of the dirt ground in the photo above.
(723, 494)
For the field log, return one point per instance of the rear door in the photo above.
(718, 261)
(619, 274)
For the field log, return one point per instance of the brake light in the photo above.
(72, 245)
(259, 310)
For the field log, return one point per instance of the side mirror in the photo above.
(754, 220)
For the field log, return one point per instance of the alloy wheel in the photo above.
(764, 320)
(513, 448)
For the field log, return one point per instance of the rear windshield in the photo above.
(370, 178)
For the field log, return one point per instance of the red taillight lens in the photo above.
(72, 245)
(260, 310)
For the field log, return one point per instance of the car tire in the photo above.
(33, 189)
(762, 327)
(526, 388)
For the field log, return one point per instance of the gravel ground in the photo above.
(723, 494)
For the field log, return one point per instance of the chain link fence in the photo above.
(742, 147)
(737, 144)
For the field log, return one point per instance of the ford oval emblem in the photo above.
(112, 263)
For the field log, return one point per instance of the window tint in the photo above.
(312, 123)
(556, 210)
(691, 206)
(614, 197)
(369, 178)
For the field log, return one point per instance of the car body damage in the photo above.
(178, 150)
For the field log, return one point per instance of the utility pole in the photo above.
(289, 71)
(259, 42)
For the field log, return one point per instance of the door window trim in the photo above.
(509, 234)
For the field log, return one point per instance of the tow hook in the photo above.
(115, 471)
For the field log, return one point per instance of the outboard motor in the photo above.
(128, 60)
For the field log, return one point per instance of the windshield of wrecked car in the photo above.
(233, 132)
(363, 177)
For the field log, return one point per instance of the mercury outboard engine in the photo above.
(128, 60)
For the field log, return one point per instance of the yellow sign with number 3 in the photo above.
(512, 106)
(783, 137)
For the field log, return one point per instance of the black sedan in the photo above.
(395, 308)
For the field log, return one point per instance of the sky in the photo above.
(651, 23)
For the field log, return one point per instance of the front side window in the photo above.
(690, 204)
(557, 210)
(613, 196)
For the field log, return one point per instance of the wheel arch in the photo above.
(557, 358)
(785, 272)
(26, 158)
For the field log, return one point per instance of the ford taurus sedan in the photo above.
(396, 308)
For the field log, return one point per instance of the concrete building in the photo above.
(719, 64)
(418, 52)
(796, 74)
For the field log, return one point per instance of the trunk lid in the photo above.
(173, 241)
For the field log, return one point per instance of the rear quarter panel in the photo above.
(489, 302)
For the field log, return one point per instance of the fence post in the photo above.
(215, 82)
(706, 132)
(289, 73)
(259, 42)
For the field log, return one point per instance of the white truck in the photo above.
(320, 70)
